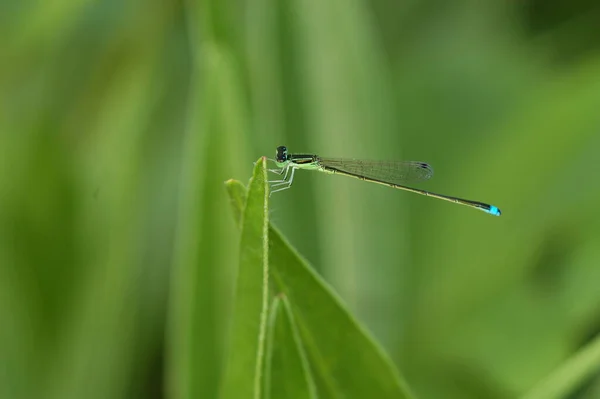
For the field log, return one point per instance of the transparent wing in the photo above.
(395, 172)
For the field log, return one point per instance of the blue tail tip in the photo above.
(494, 210)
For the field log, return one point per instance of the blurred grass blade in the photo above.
(243, 377)
(345, 361)
(570, 375)
(205, 262)
(287, 371)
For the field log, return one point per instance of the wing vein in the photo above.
(395, 172)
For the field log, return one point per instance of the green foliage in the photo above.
(243, 377)
(328, 338)
(120, 120)
(570, 375)
(287, 373)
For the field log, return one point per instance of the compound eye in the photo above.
(281, 154)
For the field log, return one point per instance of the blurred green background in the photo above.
(120, 121)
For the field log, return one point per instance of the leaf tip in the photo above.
(262, 161)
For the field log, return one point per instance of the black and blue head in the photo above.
(281, 155)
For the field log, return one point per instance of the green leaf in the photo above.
(344, 359)
(237, 197)
(243, 376)
(570, 375)
(288, 373)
